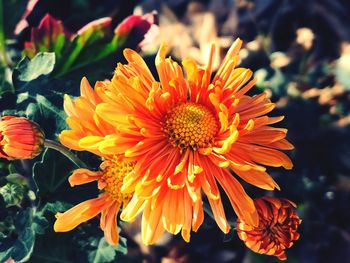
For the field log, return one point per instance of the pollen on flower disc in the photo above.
(190, 125)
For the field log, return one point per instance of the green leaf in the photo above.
(50, 118)
(123, 246)
(40, 223)
(5, 81)
(26, 223)
(57, 206)
(28, 70)
(104, 252)
(51, 172)
(17, 178)
(7, 97)
(93, 39)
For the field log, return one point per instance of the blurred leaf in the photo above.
(342, 71)
(5, 81)
(123, 246)
(93, 31)
(57, 206)
(51, 171)
(28, 70)
(27, 224)
(91, 39)
(17, 178)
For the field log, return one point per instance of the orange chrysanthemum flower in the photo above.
(84, 122)
(108, 204)
(184, 135)
(20, 138)
(277, 227)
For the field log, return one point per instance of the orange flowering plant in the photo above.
(182, 137)
(163, 149)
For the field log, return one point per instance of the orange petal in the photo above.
(79, 214)
(151, 227)
(258, 178)
(110, 224)
(83, 176)
(241, 202)
(134, 207)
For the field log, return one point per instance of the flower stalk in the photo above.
(60, 148)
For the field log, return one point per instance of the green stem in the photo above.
(3, 55)
(72, 57)
(59, 147)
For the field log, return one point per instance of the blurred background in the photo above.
(300, 53)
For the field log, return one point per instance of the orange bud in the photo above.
(20, 138)
(277, 229)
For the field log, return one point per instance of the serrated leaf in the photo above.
(51, 171)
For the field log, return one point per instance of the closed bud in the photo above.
(20, 138)
(277, 229)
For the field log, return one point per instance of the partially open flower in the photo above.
(20, 138)
(277, 229)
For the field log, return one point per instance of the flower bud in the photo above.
(137, 29)
(277, 229)
(49, 36)
(20, 138)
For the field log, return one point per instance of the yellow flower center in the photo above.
(114, 173)
(190, 125)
